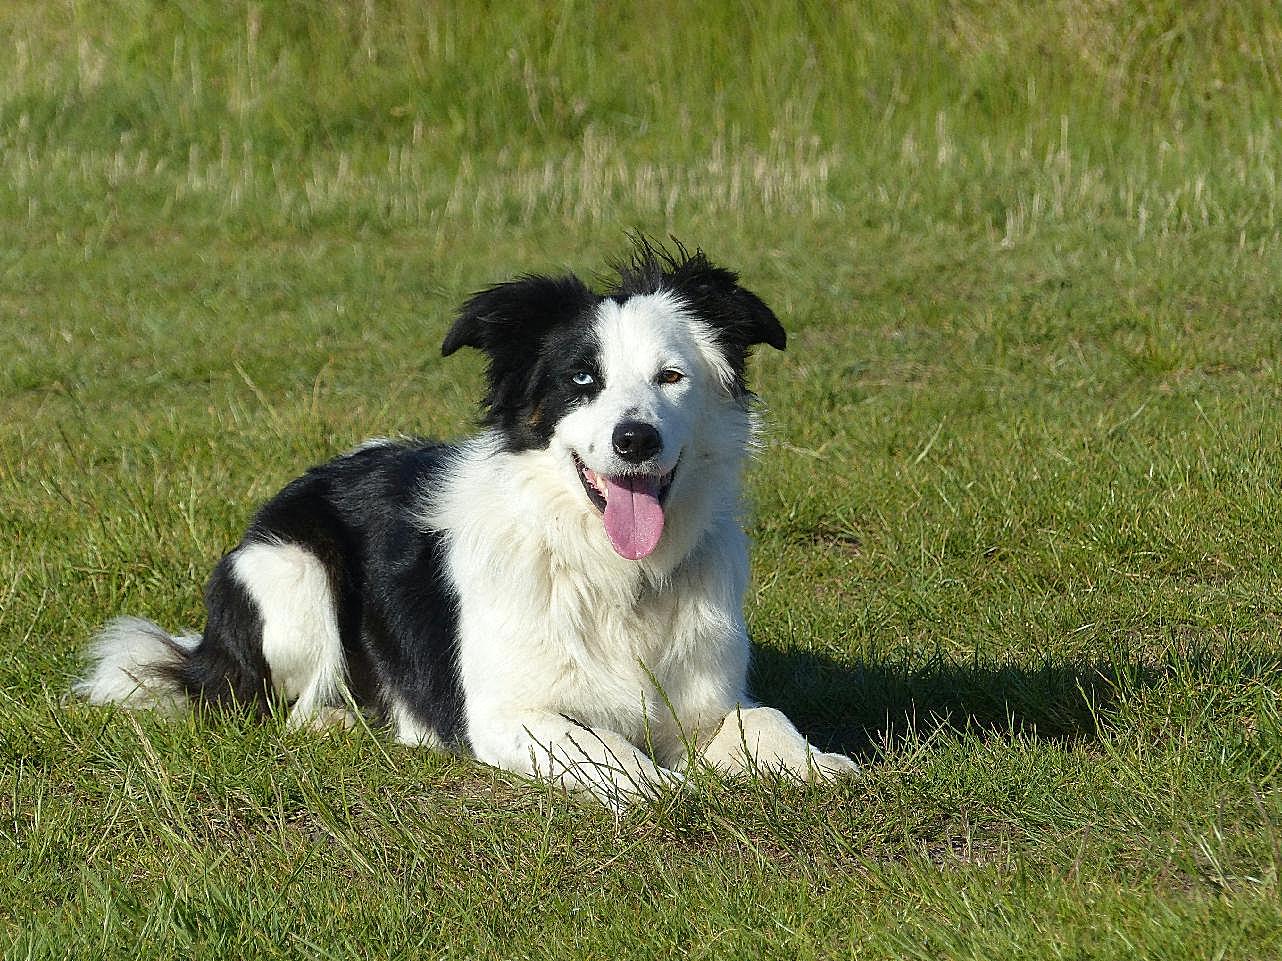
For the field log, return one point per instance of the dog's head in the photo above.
(631, 389)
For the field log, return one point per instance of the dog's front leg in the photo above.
(762, 738)
(557, 748)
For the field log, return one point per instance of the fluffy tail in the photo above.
(137, 664)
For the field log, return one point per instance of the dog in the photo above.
(562, 594)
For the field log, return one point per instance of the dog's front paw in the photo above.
(763, 739)
(610, 768)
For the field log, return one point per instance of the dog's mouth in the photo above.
(631, 505)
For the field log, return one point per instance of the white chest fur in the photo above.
(552, 621)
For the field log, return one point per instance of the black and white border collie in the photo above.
(561, 595)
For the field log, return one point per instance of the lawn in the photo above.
(1016, 517)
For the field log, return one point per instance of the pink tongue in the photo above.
(633, 517)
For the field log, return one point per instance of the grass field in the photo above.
(1017, 522)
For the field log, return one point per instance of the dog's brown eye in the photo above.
(669, 376)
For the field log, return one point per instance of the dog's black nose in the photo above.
(635, 441)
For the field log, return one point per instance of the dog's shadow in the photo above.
(862, 707)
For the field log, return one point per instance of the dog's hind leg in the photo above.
(290, 588)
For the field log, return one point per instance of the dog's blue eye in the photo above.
(583, 379)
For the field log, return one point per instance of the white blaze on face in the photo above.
(639, 340)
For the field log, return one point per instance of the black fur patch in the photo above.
(227, 668)
(535, 332)
(396, 610)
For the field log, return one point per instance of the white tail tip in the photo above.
(127, 657)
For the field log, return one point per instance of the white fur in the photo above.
(640, 338)
(301, 642)
(578, 665)
(126, 654)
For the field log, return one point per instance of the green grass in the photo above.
(1018, 527)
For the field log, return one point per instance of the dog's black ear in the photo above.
(749, 321)
(739, 317)
(512, 317)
